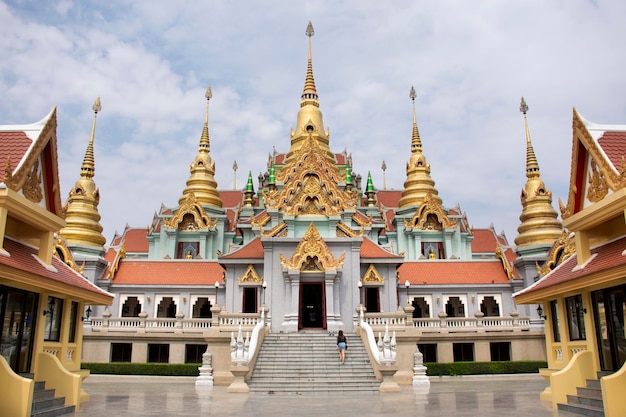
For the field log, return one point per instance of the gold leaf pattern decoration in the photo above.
(372, 276)
(198, 219)
(32, 185)
(598, 188)
(115, 265)
(63, 252)
(562, 249)
(311, 185)
(312, 254)
(250, 276)
(430, 216)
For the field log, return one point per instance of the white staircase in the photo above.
(308, 363)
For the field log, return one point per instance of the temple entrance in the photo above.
(312, 306)
(17, 322)
(609, 307)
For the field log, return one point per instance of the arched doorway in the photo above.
(312, 306)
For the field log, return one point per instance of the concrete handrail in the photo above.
(16, 395)
(254, 339)
(613, 393)
(371, 340)
(578, 370)
(66, 383)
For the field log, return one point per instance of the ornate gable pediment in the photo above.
(250, 276)
(312, 254)
(372, 276)
(65, 254)
(562, 249)
(311, 185)
(430, 216)
(190, 216)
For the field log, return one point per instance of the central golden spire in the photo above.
(202, 182)
(539, 223)
(418, 184)
(309, 120)
(81, 214)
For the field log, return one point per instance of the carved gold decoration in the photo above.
(358, 219)
(32, 185)
(115, 265)
(190, 205)
(372, 276)
(8, 175)
(250, 276)
(508, 268)
(310, 185)
(280, 230)
(343, 230)
(261, 220)
(622, 173)
(66, 255)
(598, 188)
(422, 219)
(562, 249)
(312, 254)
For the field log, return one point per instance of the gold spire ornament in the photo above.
(539, 223)
(419, 183)
(202, 182)
(309, 121)
(81, 215)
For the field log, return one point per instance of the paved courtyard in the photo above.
(488, 396)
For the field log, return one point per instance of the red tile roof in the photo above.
(604, 257)
(252, 250)
(370, 250)
(453, 272)
(13, 145)
(24, 258)
(231, 198)
(388, 198)
(484, 241)
(171, 272)
(614, 145)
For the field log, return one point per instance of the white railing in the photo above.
(149, 325)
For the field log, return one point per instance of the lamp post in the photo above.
(217, 287)
(407, 284)
(264, 288)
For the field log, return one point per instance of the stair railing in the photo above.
(613, 393)
(383, 351)
(242, 350)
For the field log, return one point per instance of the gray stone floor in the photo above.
(116, 396)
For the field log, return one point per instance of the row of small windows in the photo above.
(159, 352)
(167, 308)
(455, 308)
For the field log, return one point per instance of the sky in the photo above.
(470, 62)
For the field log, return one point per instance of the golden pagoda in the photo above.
(309, 121)
(81, 209)
(419, 183)
(540, 225)
(202, 182)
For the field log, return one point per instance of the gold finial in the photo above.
(309, 30)
(416, 143)
(208, 93)
(235, 175)
(97, 106)
(523, 107)
(205, 143)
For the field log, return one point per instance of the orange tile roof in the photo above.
(484, 241)
(252, 250)
(607, 256)
(13, 145)
(370, 250)
(135, 240)
(453, 272)
(24, 258)
(168, 272)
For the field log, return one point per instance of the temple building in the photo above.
(309, 245)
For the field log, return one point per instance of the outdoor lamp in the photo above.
(407, 284)
(51, 305)
(264, 285)
(540, 312)
(87, 314)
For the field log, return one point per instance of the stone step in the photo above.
(576, 399)
(581, 409)
(589, 392)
